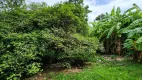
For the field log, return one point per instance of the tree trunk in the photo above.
(119, 46)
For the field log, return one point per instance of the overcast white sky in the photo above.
(100, 6)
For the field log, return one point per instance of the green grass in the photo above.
(104, 70)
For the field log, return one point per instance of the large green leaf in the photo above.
(114, 28)
(139, 40)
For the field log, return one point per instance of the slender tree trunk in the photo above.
(119, 46)
(107, 46)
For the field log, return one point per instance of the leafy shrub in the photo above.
(38, 34)
(22, 54)
(19, 55)
(69, 47)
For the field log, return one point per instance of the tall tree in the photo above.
(81, 11)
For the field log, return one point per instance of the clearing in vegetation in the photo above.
(106, 67)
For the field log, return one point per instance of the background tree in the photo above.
(11, 4)
(81, 11)
(100, 17)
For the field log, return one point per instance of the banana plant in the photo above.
(116, 28)
(134, 30)
(108, 30)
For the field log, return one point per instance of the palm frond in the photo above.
(114, 28)
(137, 7)
(139, 40)
(134, 24)
(103, 34)
(113, 11)
(131, 9)
(118, 11)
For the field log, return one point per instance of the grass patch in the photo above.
(101, 68)
(104, 70)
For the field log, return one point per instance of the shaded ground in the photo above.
(53, 70)
(106, 67)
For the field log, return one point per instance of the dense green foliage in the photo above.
(120, 33)
(37, 34)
